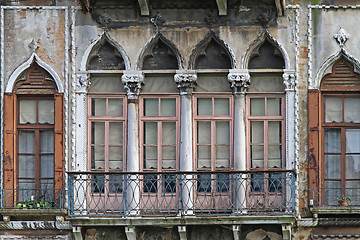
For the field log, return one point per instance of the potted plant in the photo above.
(344, 201)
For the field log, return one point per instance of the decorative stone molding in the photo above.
(186, 81)
(239, 79)
(82, 82)
(133, 81)
(289, 80)
(130, 233)
(182, 232)
(35, 225)
(341, 37)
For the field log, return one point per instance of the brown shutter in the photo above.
(9, 148)
(313, 138)
(59, 145)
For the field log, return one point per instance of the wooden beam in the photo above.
(222, 5)
(84, 5)
(144, 8)
(280, 6)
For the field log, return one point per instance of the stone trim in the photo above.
(133, 81)
(239, 79)
(186, 81)
(35, 225)
(289, 80)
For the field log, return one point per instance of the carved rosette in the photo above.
(186, 81)
(82, 82)
(239, 79)
(289, 80)
(132, 81)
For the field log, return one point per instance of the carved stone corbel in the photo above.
(186, 81)
(82, 82)
(239, 79)
(289, 80)
(133, 81)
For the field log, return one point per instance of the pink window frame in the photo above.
(107, 120)
(212, 119)
(265, 119)
(159, 120)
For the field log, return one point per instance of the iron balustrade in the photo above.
(181, 193)
(327, 197)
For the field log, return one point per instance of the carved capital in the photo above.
(239, 79)
(82, 82)
(289, 80)
(186, 81)
(133, 81)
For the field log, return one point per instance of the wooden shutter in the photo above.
(59, 145)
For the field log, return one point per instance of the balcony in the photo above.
(174, 194)
(328, 198)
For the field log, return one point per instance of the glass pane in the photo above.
(352, 110)
(352, 170)
(212, 83)
(115, 133)
(204, 107)
(204, 132)
(257, 156)
(26, 142)
(274, 157)
(97, 133)
(47, 166)
(151, 107)
(168, 133)
(116, 158)
(204, 156)
(168, 107)
(332, 140)
(97, 157)
(222, 133)
(98, 107)
(274, 106)
(106, 84)
(46, 111)
(352, 140)
(115, 107)
(333, 110)
(150, 157)
(46, 141)
(266, 83)
(332, 192)
(274, 132)
(332, 166)
(26, 186)
(221, 107)
(27, 111)
(168, 157)
(352, 191)
(26, 166)
(116, 183)
(222, 157)
(257, 132)
(257, 106)
(150, 131)
(45, 185)
(161, 83)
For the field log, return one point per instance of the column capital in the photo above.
(239, 79)
(132, 81)
(82, 82)
(289, 80)
(186, 81)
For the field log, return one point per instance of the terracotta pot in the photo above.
(343, 202)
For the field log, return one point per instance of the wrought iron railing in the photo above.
(181, 193)
(32, 198)
(326, 197)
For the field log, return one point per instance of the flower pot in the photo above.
(343, 202)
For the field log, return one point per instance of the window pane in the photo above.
(257, 132)
(97, 157)
(115, 107)
(26, 166)
(204, 156)
(221, 107)
(150, 157)
(352, 140)
(204, 106)
(106, 84)
(333, 110)
(98, 107)
(26, 142)
(46, 111)
(222, 133)
(27, 111)
(257, 156)
(47, 166)
(332, 195)
(204, 132)
(332, 166)
(116, 158)
(28, 186)
(274, 132)
(266, 83)
(47, 184)
(97, 133)
(332, 140)
(151, 107)
(222, 157)
(150, 131)
(115, 133)
(46, 141)
(352, 191)
(257, 106)
(352, 110)
(168, 107)
(168, 157)
(274, 106)
(274, 156)
(352, 170)
(168, 133)
(212, 83)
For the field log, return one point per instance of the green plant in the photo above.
(30, 203)
(344, 199)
